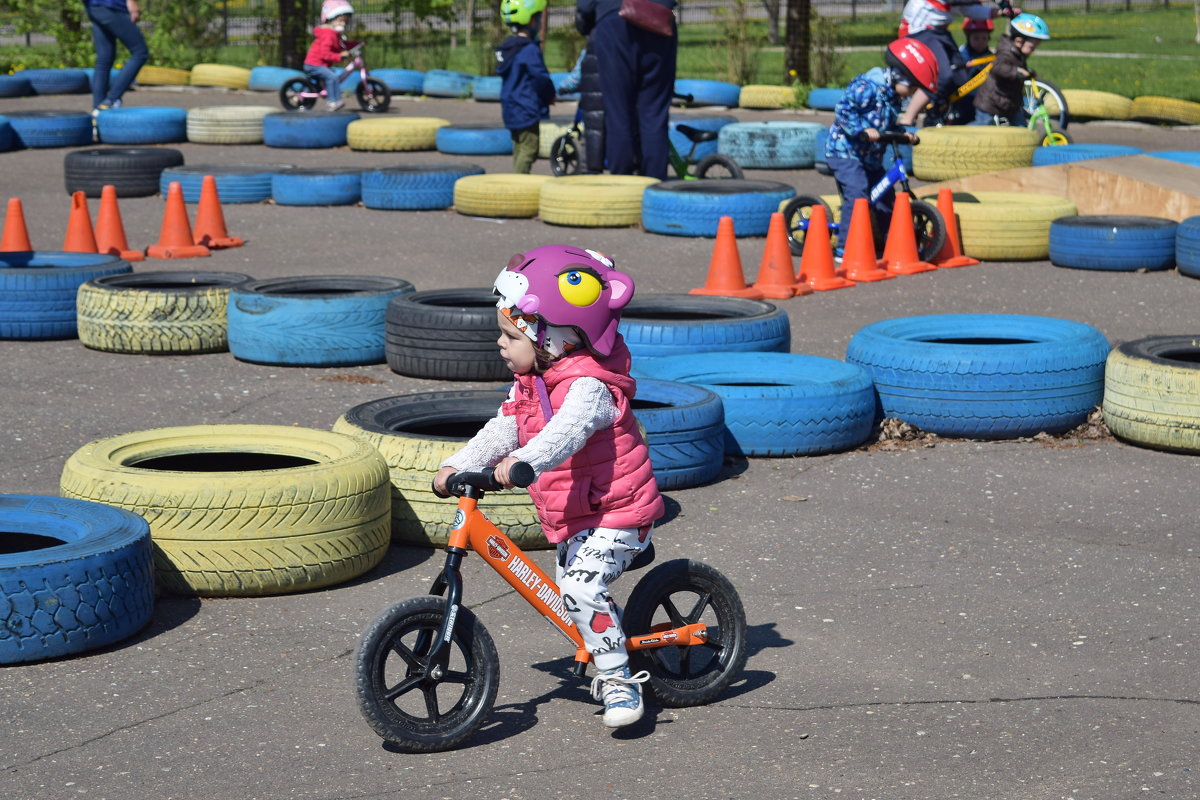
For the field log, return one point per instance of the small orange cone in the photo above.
(175, 236)
(900, 255)
(16, 235)
(859, 260)
(210, 220)
(816, 262)
(951, 254)
(80, 238)
(110, 230)
(725, 276)
(777, 271)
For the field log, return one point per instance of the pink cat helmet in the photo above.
(565, 287)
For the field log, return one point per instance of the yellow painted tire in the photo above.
(593, 201)
(1165, 109)
(1087, 104)
(501, 195)
(394, 133)
(163, 76)
(1152, 392)
(227, 124)
(220, 75)
(1007, 226)
(956, 152)
(244, 510)
(766, 96)
(415, 433)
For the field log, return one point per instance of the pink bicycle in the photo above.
(301, 94)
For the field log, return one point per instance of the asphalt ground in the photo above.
(942, 619)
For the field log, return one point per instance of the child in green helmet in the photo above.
(527, 91)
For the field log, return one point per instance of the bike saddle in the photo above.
(643, 559)
(695, 134)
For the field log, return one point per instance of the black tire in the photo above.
(378, 101)
(1113, 242)
(1048, 90)
(930, 229)
(445, 334)
(291, 88)
(683, 592)
(394, 650)
(134, 171)
(720, 166)
(655, 325)
(564, 156)
(796, 215)
(685, 432)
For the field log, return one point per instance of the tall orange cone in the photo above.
(900, 255)
(175, 236)
(951, 254)
(777, 271)
(16, 235)
(859, 260)
(80, 238)
(816, 262)
(210, 220)
(110, 230)
(725, 276)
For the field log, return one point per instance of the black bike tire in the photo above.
(928, 246)
(682, 575)
(564, 156)
(482, 676)
(1063, 118)
(378, 89)
(719, 159)
(294, 85)
(796, 243)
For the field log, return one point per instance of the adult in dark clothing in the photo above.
(591, 102)
(113, 21)
(637, 79)
(526, 90)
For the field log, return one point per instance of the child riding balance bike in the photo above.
(329, 47)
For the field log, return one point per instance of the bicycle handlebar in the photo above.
(893, 137)
(687, 98)
(521, 475)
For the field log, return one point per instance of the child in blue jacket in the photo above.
(527, 91)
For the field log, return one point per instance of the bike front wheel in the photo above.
(683, 592)
(1050, 96)
(930, 229)
(796, 215)
(399, 699)
(298, 94)
(373, 95)
(718, 166)
(564, 155)
(1056, 138)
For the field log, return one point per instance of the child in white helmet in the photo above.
(329, 47)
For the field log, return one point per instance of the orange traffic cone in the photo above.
(210, 220)
(777, 272)
(951, 254)
(110, 230)
(80, 237)
(859, 261)
(725, 276)
(816, 262)
(900, 255)
(175, 236)
(16, 235)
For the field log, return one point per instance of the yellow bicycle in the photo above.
(1039, 98)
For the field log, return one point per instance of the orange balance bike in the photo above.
(428, 671)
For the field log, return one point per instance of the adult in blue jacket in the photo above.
(113, 21)
(637, 80)
(526, 91)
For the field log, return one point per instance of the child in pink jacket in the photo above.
(329, 47)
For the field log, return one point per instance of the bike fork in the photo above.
(448, 582)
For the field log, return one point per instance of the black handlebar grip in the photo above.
(521, 474)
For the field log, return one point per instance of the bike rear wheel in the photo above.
(930, 229)
(395, 693)
(373, 96)
(1047, 91)
(796, 215)
(291, 94)
(718, 166)
(683, 592)
(564, 155)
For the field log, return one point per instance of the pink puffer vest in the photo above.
(609, 483)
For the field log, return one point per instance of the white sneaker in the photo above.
(621, 694)
(335, 106)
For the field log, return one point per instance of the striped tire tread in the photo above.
(236, 183)
(37, 291)
(695, 208)
(655, 325)
(684, 426)
(454, 316)
(498, 195)
(593, 201)
(954, 152)
(414, 188)
(394, 134)
(134, 171)
(1152, 392)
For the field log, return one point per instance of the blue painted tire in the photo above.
(1112, 242)
(486, 88)
(270, 79)
(80, 577)
(1187, 247)
(819, 162)
(1067, 153)
(144, 125)
(404, 81)
(984, 376)
(15, 86)
(317, 186)
(311, 129)
(694, 208)
(658, 325)
(473, 140)
(558, 79)
(447, 83)
(1189, 157)
(770, 145)
(683, 144)
(236, 183)
(709, 93)
(685, 431)
(779, 404)
(8, 139)
(51, 128)
(823, 99)
(57, 81)
(37, 291)
(312, 321)
(414, 188)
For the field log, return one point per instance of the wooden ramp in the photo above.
(1138, 185)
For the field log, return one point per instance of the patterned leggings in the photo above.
(587, 563)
